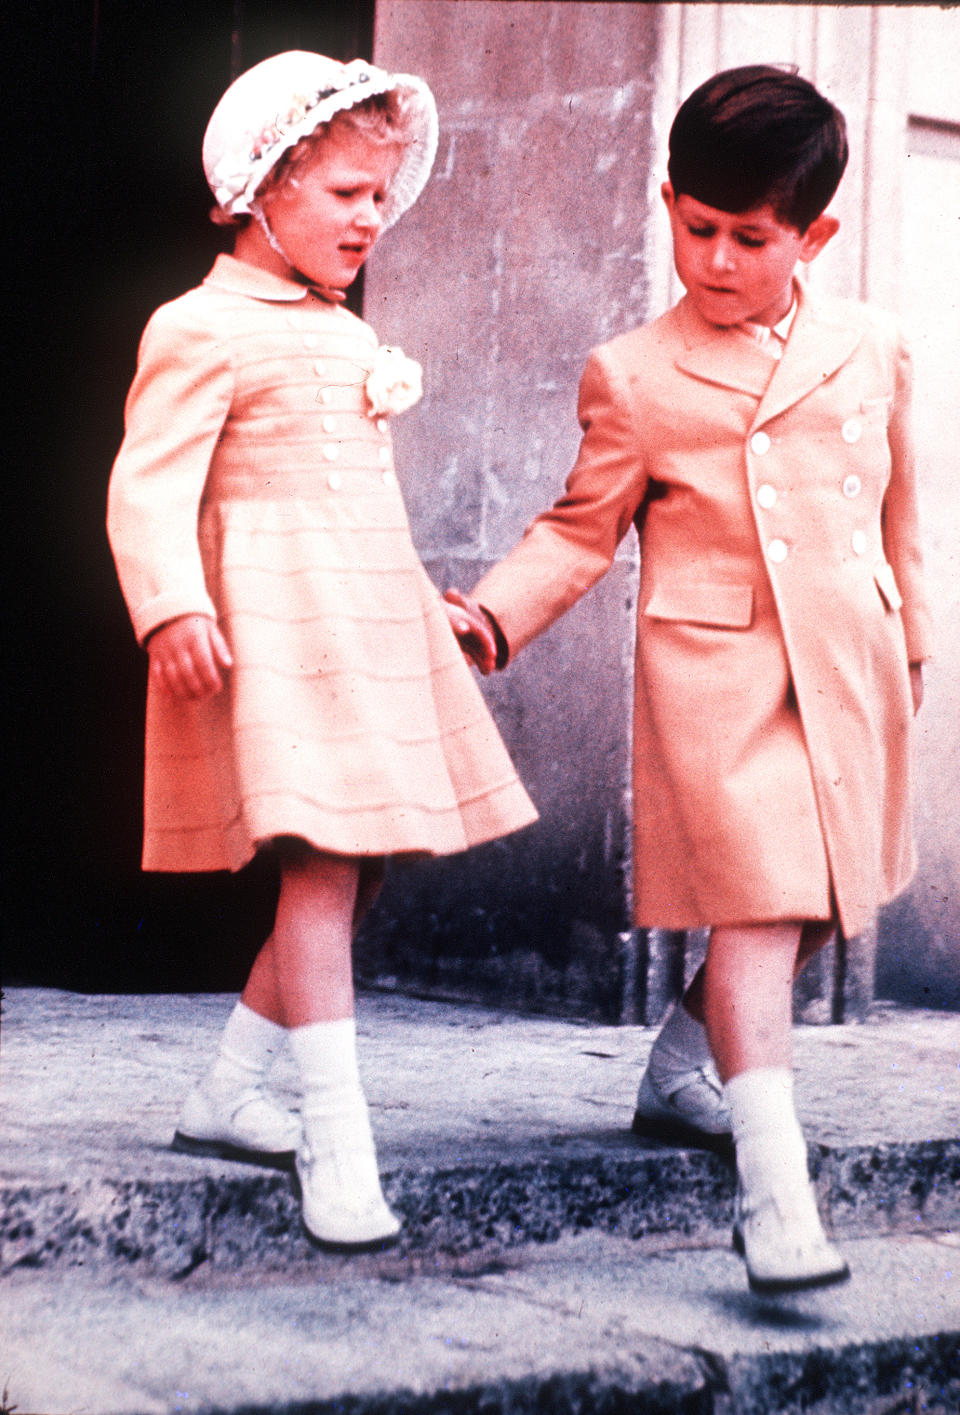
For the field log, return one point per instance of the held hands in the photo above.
(473, 631)
(187, 656)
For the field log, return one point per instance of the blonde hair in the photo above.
(385, 119)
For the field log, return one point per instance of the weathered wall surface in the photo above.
(525, 251)
(540, 234)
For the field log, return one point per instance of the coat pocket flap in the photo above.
(887, 585)
(720, 606)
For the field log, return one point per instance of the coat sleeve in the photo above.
(901, 522)
(175, 411)
(568, 548)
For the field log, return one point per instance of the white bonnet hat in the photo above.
(267, 110)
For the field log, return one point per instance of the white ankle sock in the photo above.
(249, 1046)
(770, 1147)
(326, 1056)
(682, 1038)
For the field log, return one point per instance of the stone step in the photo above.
(594, 1324)
(233, 1215)
(549, 1262)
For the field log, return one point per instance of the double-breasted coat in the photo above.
(780, 605)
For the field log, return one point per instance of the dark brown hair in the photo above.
(757, 135)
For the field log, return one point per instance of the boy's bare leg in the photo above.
(747, 993)
(814, 936)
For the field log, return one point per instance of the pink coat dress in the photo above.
(780, 602)
(252, 485)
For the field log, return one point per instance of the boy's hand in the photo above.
(916, 686)
(473, 630)
(187, 655)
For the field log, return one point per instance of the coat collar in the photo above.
(820, 342)
(240, 278)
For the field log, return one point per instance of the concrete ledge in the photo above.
(239, 1218)
(591, 1325)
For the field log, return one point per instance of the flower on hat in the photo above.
(395, 382)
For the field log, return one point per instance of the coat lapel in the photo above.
(725, 357)
(818, 345)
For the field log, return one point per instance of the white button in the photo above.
(852, 485)
(328, 422)
(382, 425)
(851, 430)
(311, 340)
(859, 542)
(294, 318)
(387, 477)
(334, 481)
(331, 451)
(777, 551)
(384, 454)
(767, 496)
(320, 367)
(760, 443)
(325, 395)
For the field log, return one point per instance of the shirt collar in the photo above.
(780, 331)
(240, 278)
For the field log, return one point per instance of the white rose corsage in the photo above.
(395, 382)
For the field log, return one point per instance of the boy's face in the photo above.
(329, 215)
(739, 266)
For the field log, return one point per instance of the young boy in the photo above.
(757, 437)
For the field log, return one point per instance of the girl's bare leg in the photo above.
(304, 971)
(303, 979)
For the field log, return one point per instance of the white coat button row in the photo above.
(388, 478)
(777, 551)
(760, 443)
(331, 451)
(328, 422)
(852, 430)
(334, 481)
(382, 426)
(310, 341)
(766, 496)
(852, 485)
(858, 542)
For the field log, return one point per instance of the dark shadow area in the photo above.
(108, 210)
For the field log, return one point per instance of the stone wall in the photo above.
(540, 234)
(525, 251)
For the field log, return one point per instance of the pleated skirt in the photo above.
(349, 718)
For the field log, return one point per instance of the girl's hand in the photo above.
(187, 655)
(473, 631)
(916, 685)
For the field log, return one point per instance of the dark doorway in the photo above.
(108, 207)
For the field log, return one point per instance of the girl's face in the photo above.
(329, 214)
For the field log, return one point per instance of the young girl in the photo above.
(306, 694)
(758, 438)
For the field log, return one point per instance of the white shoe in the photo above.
(343, 1204)
(241, 1125)
(782, 1241)
(683, 1106)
